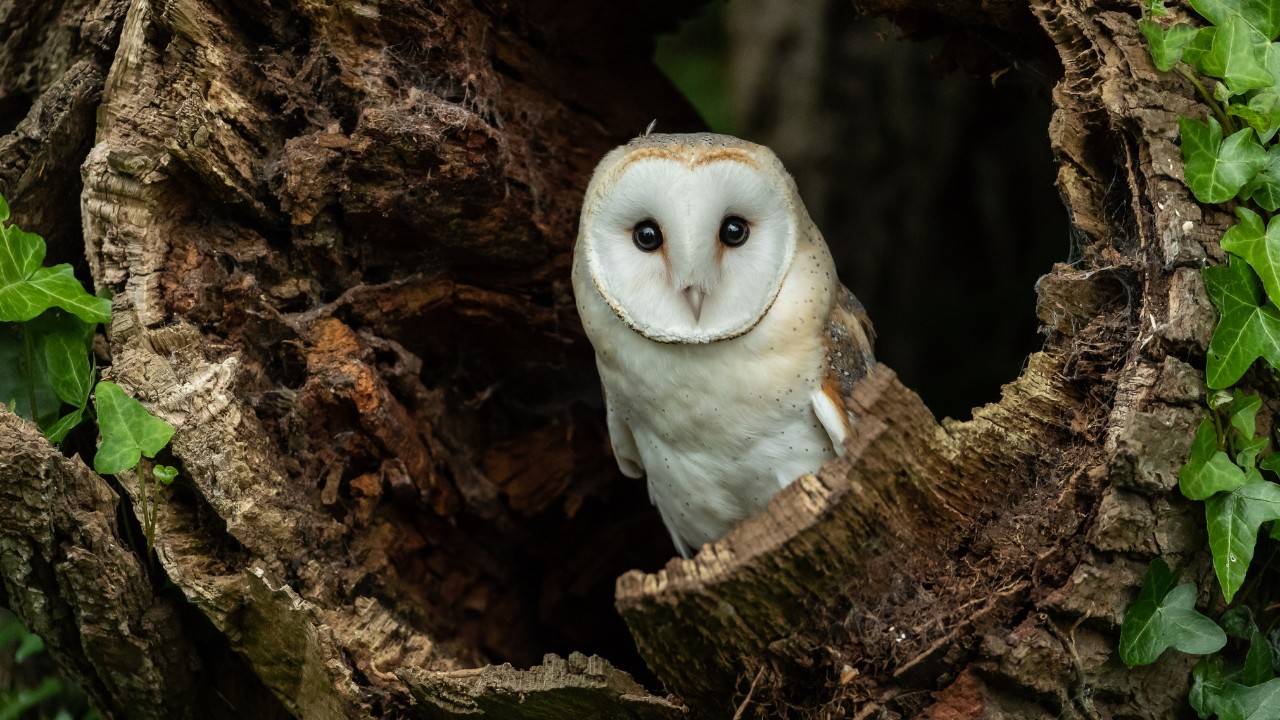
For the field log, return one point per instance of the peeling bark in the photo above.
(337, 236)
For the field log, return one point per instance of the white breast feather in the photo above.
(719, 428)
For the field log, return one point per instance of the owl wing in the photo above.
(847, 341)
(623, 442)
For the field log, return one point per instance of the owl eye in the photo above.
(734, 231)
(647, 236)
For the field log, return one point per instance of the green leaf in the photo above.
(1257, 663)
(57, 432)
(65, 341)
(1236, 56)
(1167, 45)
(1262, 112)
(128, 430)
(19, 703)
(4, 209)
(1261, 702)
(1208, 470)
(1247, 452)
(1208, 682)
(1239, 622)
(167, 473)
(1216, 169)
(25, 378)
(26, 289)
(1162, 618)
(1199, 46)
(1264, 188)
(1258, 245)
(1233, 519)
(1261, 15)
(1155, 8)
(1247, 329)
(30, 647)
(1271, 463)
(1242, 413)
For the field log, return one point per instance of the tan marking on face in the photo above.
(666, 260)
(722, 155)
(650, 153)
(688, 156)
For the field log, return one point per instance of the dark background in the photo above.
(928, 171)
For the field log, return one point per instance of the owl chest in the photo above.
(720, 429)
(714, 405)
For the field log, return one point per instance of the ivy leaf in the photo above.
(1233, 519)
(1258, 245)
(1242, 413)
(1247, 452)
(1239, 622)
(1257, 663)
(128, 430)
(1216, 169)
(1247, 329)
(65, 341)
(21, 382)
(1264, 188)
(167, 473)
(57, 432)
(1208, 470)
(1261, 112)
(1261, 702)
(1199, 46)
(1208, 682)
(1167, 45)
(26, 289)
(1263, 16)
(30, 647)
(1164, 616)
(1271, 463)
(1236, 56)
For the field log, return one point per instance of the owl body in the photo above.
(723, 372)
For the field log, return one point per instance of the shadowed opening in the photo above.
(933, 185)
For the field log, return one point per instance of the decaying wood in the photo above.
(75, 581)
(337, 237)
(991, 558)
(577, 687)
(906, 488)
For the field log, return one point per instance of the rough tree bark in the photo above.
(337, 238)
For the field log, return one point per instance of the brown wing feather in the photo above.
(848, 341)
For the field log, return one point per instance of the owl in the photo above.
(724, 340)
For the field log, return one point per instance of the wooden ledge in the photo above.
(902, 489)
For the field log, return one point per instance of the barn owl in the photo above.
(724, 340)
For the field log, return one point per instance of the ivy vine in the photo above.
(47, 324)
(1231, 157)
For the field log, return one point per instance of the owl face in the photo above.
(688, 237)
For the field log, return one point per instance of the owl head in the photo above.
(689, 237)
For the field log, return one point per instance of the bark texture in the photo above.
(337, 237)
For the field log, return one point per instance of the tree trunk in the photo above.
(337, 236)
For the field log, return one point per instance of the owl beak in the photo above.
(694, 296)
